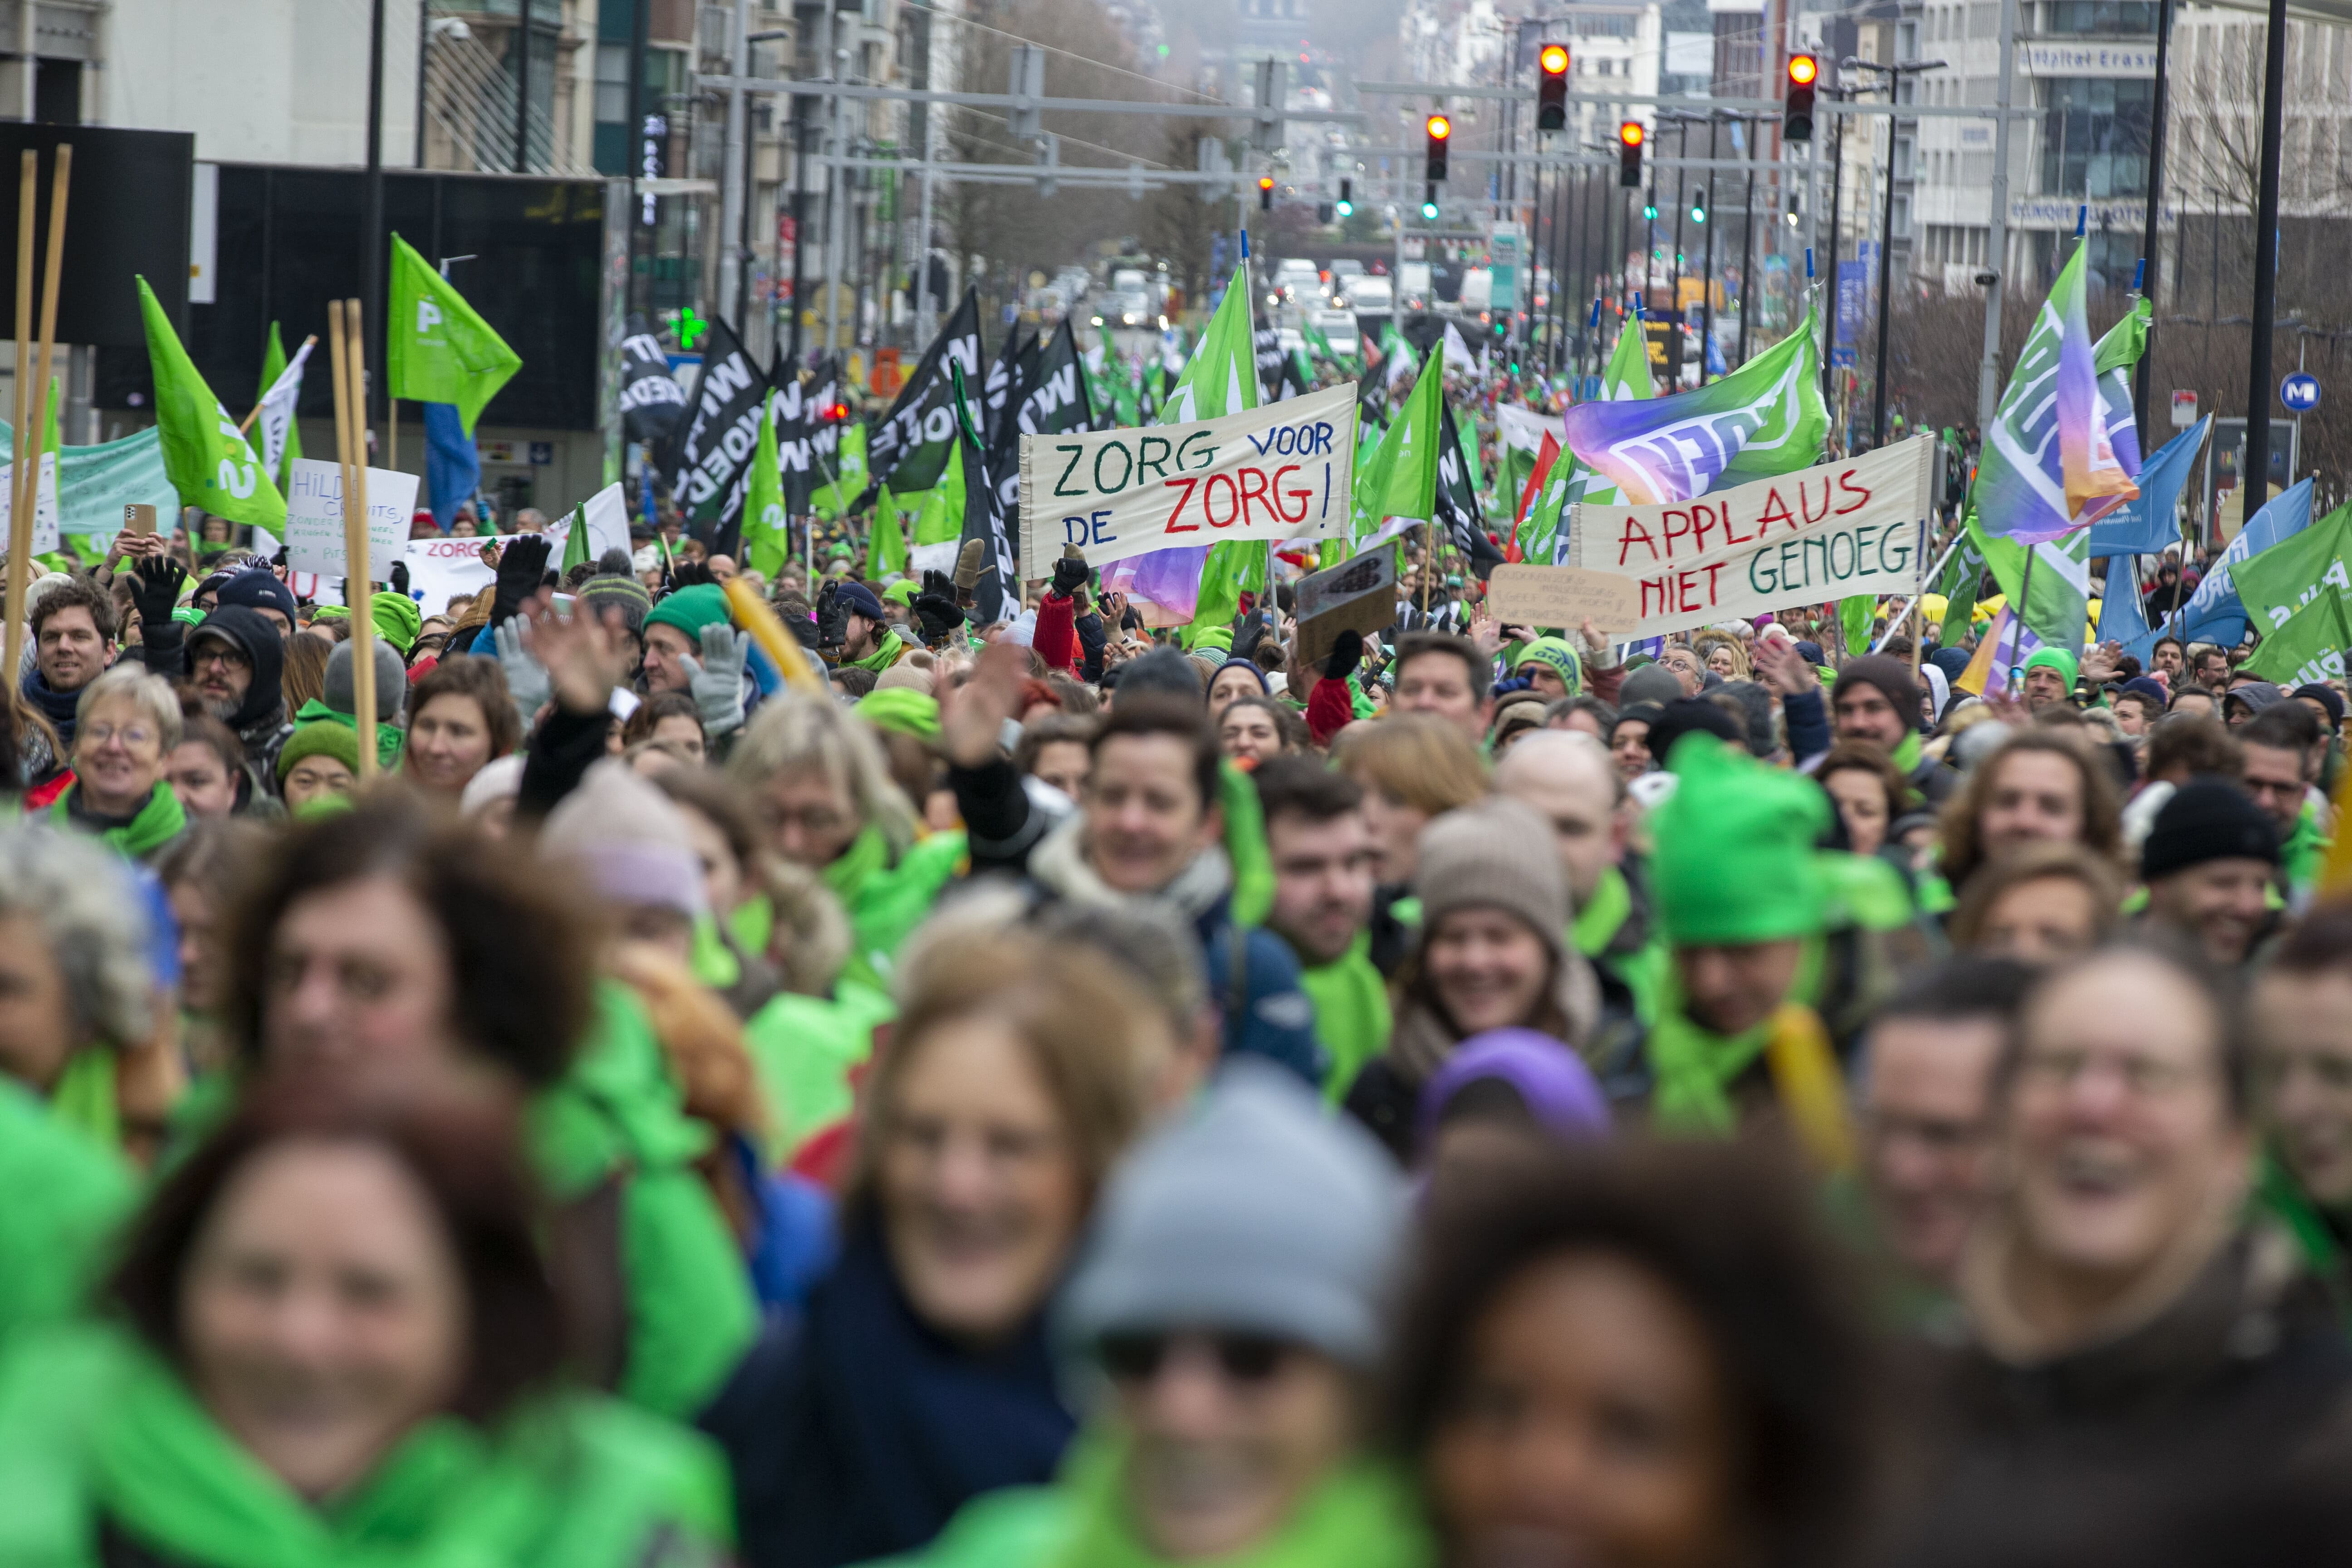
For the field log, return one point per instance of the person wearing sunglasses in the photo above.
(1231, 1308)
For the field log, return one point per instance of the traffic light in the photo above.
(1629, 155)
(1346, 198)
(1265, 193)
(1429, 203)
(1698, 205)
(1551, 88)
(1441, 132)
(1797, 111)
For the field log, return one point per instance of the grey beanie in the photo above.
(1258, 1213)
(1651, 683)
(391, 681)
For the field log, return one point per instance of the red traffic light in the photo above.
(1630, 133)
(1804, 69)
(1554, 59)
(1265, 182)
(1440, 128)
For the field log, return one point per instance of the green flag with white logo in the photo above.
(767, 537)
(437, 347)
(208, 459)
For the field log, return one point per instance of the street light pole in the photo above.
(2155, 204)
(2255, 479)
(1894, 74)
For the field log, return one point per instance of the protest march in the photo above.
(1163, 930)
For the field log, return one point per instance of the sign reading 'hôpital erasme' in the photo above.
(1825, 532)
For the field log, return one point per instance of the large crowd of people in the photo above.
(1059, 1094)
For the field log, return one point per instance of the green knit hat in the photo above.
(2056, 658)
(1557, 653)
(691, 609)
(1734, 863)
(903, 709)
(397, 619)
(902, 592)
(320, 738)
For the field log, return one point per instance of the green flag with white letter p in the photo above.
(437, 347)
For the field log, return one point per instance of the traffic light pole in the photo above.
(1706, 276)
(1837, 187)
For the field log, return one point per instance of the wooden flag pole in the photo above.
(36, 418)
(391, 432)
(358, 592)
(337, 358)
(20, 517)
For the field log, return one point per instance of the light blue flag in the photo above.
(2121, 618)
(2145, 525)
(2214, 613)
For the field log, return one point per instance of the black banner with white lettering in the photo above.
(711, 457)
(908, 451)
(651, 398)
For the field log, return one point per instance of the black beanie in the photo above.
(1687, 714)
(1891, 676)
(2207, 819)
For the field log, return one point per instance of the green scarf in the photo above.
(84, 1097)
(1352, 1012)
(618, 1112)
(2278, 1195)
(158, 822)
(1694, 1067)
(1362, 1516)
(100, 1427)
(885, 899)
(1906, 755)
(806, 1049)
(65, 1195)
(388, 736)
(893, 648)
(1596, 924)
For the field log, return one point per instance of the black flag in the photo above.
(986, 517)
(710, 460)
(1457, 500)
(651, 398)
(908, 451)
(1048, 399)
(1003, 387)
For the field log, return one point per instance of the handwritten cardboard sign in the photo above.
(1852, 527)
(1357, 595)
(314, 518)
(1564, 597)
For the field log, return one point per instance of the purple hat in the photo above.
(1560, 1091)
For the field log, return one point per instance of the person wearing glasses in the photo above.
(126, 725)
(2143, 1373)
(1230, 1310)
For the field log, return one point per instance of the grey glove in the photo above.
(526, 677)
(716, 678)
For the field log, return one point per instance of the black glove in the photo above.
(155, 586)
(1347, 652)
(691, 573)
(1070, 574)
(1251, 632)
(523, 567)
(832, 617)
(399, 578)
(939, 615)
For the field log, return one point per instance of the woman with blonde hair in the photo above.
(1413, 768)
(820, 786)
(1724, 654)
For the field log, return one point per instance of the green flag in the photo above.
(439, 348)
(1963, 572)
(767, 537)
(208, 461)
(2308, 647)
(1540, 536)
(2290, 575)
(1855, 613)
(1401, 478)
(273, 365)
(887, 550)
(1317, 343)
(850, 475)
(575, 540)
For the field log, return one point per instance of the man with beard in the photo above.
(73, 642)
(1323, 858)
(235, 660)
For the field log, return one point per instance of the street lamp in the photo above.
(1894, 74)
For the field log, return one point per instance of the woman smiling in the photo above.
(126, 724)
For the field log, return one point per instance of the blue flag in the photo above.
(453, 464)
(2144, 524)
(2214, 613)
(2121, 618)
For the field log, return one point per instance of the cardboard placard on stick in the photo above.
(1357, 595)
(1563, 597)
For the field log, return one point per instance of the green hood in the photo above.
(1734, 863)
(97, 1428)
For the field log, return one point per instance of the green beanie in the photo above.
(903, 709)
(2056, 658)
(1734, 862)
(1557, 653)
(321, 737)
(691, 609)
(1218, 637)
(331, 613)
(397, 619)
(902, 592)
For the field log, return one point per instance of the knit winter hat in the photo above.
(2327, 696)
(1480, 857)
(1651, 683)
(257, 588)
(903, 709)
(1892, 677)
(2207, 819)
(2056, 658)
(1557, 653)
(858, 600)
(341, 692)
(498, 779)
(632, 842)
(625, 595)
(397, 619)
(1734, 862)
(691, 609)
(320, 738)
(1256, 1213)
(902, 592)
(911, 675)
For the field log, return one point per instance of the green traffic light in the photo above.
(1345, 209)
(1699, 215)
(1649, 214)
(1429, 211)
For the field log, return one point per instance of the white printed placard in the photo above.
(44, 504)
(314, 518)
(1280, 471)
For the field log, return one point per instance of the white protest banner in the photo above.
(44, 504)
(314, 518)
(440, 570)
(1820, 534)
(1281, 471)
(608, 514)
(1525, 429)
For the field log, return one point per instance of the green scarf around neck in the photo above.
(1694, 1067)
(1352, 1012)
(1596, 924)
(893, 648)
(158, 822)
(867, 853)
(98, 1428)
